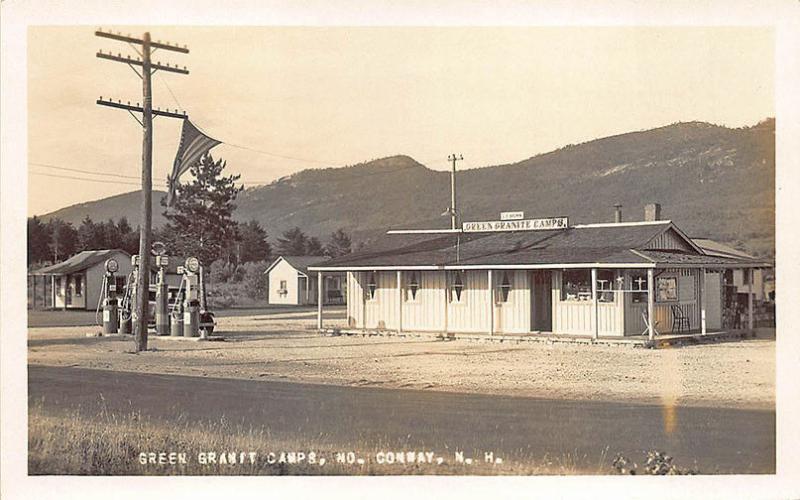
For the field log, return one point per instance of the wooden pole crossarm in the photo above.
(129, 60)
(139, 109)
(129, 39)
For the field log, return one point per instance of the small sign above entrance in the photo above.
(517, 225)
(512, 215)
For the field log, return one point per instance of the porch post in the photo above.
(595, 306)
(399, 301)
(308, 289)
(650, 305)
(702, 298)
(750, 322)
(53, 290)
(319, 300)
(491, 303)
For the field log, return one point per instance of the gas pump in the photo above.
(109, 297)
(128, 299)
(162, 311)
(191, 303)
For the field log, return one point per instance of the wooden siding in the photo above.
(713, 300)
(380, 311)
(514, 315)
(472, 313)
(669, 240)
(577, 318)
(355, 300)
(427, 311)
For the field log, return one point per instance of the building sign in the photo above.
(517, 225)
(512, 215)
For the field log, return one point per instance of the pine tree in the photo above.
(253, 245)
(64, 239)
(39, 236)
(339, 244)
(292, 242)
(200, 224)
(314, 246)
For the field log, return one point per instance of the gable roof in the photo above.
(299, 262)
(589, 244)
(79, 262)
(711, 247)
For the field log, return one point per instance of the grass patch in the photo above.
(106, 443)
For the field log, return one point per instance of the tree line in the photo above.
(199, 224)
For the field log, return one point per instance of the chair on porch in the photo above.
(680, 322)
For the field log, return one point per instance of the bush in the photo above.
(255, 281)
(219, 271)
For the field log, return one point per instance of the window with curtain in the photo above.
(413, 286)
(606, 282)
(639, 287)
(372, 286)
(504, 288)
(456, 286)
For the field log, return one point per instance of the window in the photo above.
(282, 289)
(456, 286)
(639, 287)
(504, 289)
(576, 285)
(666, 289)
(413, 286)
(605, 285)
(745, 277)
(372, 286)
(78, 286)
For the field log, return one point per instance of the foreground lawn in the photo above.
(130, 444)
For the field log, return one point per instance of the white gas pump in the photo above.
(162, 311)
(108, 297)
(128, 299)
(191, 302)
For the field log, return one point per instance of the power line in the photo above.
(102, 181)
(45, 165)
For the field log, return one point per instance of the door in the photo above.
(541, 301)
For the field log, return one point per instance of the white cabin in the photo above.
(288, 282)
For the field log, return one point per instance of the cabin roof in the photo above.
(623, 244)
(299, 262)
(80, 262)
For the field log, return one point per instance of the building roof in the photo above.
(711, 247)
(584, 245)
(80, 262)
(299, 262)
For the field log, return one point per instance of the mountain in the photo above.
(712, 181)
(114, 207)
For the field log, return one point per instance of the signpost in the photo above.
(517, 225)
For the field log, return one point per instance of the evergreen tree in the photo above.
(64, 239)
(253, 245)
(200, 224)
(39, 236)
(90, 237)
(292, 242)
(339, 244)
(314, 246)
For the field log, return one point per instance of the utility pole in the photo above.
(453, 211)
(140, 318)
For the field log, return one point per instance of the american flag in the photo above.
(194, 144)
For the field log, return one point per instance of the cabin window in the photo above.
(78, 286)
(605, 285)
(576, 285)
(413, 287)
(745, 277)
(282, 290)
(372, 286)
(456, 287)
(504, 289)
(667, 289)
(639, 288)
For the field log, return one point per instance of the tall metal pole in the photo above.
(143, 278)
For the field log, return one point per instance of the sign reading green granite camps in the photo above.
(516, 225)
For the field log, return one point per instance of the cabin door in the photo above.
(541, 301)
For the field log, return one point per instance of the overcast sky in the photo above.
(338, 96)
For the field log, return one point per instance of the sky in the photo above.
(283, 99)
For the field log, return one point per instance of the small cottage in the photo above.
(288, 282)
